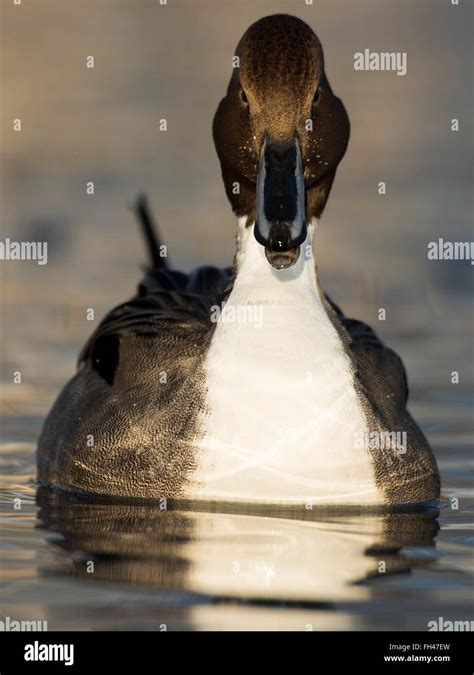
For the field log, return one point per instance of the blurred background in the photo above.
(173, 61)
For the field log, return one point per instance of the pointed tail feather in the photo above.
(150, 232)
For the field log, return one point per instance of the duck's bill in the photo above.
(280, 223)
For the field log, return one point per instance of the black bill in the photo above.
(280, 224)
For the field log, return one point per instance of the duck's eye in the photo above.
(243, 97)
(316, 96)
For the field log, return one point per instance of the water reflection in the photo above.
(259, 555)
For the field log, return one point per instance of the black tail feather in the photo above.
(142, 210)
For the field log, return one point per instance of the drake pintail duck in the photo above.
(248, 383)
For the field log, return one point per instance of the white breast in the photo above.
(283, 419)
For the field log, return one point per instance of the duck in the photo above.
(247, 384)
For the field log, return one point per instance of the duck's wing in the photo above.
(165, 324)
(377, 367)
(381, 378)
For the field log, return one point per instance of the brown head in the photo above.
(280, 133)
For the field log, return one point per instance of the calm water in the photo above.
(222, 568)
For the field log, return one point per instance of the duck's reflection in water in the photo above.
(261, 555)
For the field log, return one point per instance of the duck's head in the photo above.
(280, 133)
